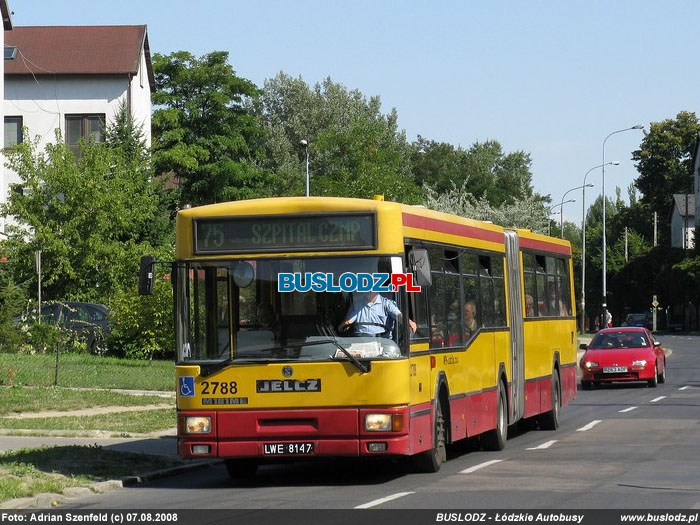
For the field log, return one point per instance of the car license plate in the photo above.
(614, 369)
(279, 449)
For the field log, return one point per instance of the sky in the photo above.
(551, 78)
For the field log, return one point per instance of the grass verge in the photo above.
(86, 370)
(18, 399)
(29, 472)
(139, 422)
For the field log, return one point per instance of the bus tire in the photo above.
(495, 439)
(241, 468)
(431, 460)
(550, 420)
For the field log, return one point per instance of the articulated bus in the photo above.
(264, 374)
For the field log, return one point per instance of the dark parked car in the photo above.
(642, 319)
(89, 321)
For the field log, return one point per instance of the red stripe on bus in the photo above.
(438, 225)
(544, 246)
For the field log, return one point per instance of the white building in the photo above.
(683, 221)
(7, 26)
(74, 79)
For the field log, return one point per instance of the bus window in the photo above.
(486, 290)
(499, 291)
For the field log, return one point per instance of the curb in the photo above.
(49, 500)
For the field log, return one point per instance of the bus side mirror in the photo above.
(420, 266)
(146, 275)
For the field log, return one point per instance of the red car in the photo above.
(623, 354)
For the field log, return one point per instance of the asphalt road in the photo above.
(621, 447)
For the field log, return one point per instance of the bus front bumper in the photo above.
(269, 434)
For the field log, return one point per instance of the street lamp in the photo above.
(305, 144)
(605, 283)
(561, 210)
(583, 245)
(557, 206)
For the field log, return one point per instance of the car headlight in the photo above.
(383, 422)
(639, 364)
(197, 425)
(589, 365)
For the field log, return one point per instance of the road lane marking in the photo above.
(479, 466)
(657, 399)
(544, 445)
(684, 387)
(383, 500)
(627, 409)
(588, 426)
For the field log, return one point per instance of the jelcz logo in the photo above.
(264, 386)
(347, 282)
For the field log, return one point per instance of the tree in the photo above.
(487, 171)
(355, 150)
(664, 161)
(528, 212)
(91, 217)
(203, 134)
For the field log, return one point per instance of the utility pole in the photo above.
(654, 229)
(626, 251)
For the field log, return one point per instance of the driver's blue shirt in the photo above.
(376, 312)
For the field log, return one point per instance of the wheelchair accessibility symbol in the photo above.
(186, 386)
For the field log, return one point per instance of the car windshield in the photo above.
(611, 340)
(233, 311)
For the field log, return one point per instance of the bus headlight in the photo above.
(378, 422)
(384, 422)
(198, 424)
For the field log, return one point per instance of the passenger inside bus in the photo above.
(470, 325)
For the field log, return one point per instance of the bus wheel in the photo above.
(496, 439)
(550, 420)
(431, 460)
(241, 468)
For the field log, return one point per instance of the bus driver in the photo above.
(373, 315)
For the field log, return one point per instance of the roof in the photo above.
(679, 201)
(6, 15)
(78, 50)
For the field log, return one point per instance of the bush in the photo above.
(12, 300)
(142, 326)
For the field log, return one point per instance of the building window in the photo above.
(13, 131)
(90, 128)
(10, 52)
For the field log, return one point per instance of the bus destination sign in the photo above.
(284, 233)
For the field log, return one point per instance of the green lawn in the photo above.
(39, 399)
(140, 422)
(84, 370)
(28, 472)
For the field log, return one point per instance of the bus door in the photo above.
(517, 399)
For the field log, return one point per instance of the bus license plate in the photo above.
(614, 369)
(278, 449)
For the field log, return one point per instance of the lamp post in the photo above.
(305, 144)
(605, 283)
(561, 210)
(557, 206)
(583, 244)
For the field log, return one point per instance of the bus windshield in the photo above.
(232, 311)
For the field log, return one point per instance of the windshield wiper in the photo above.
(361, 366)
(207, 370)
